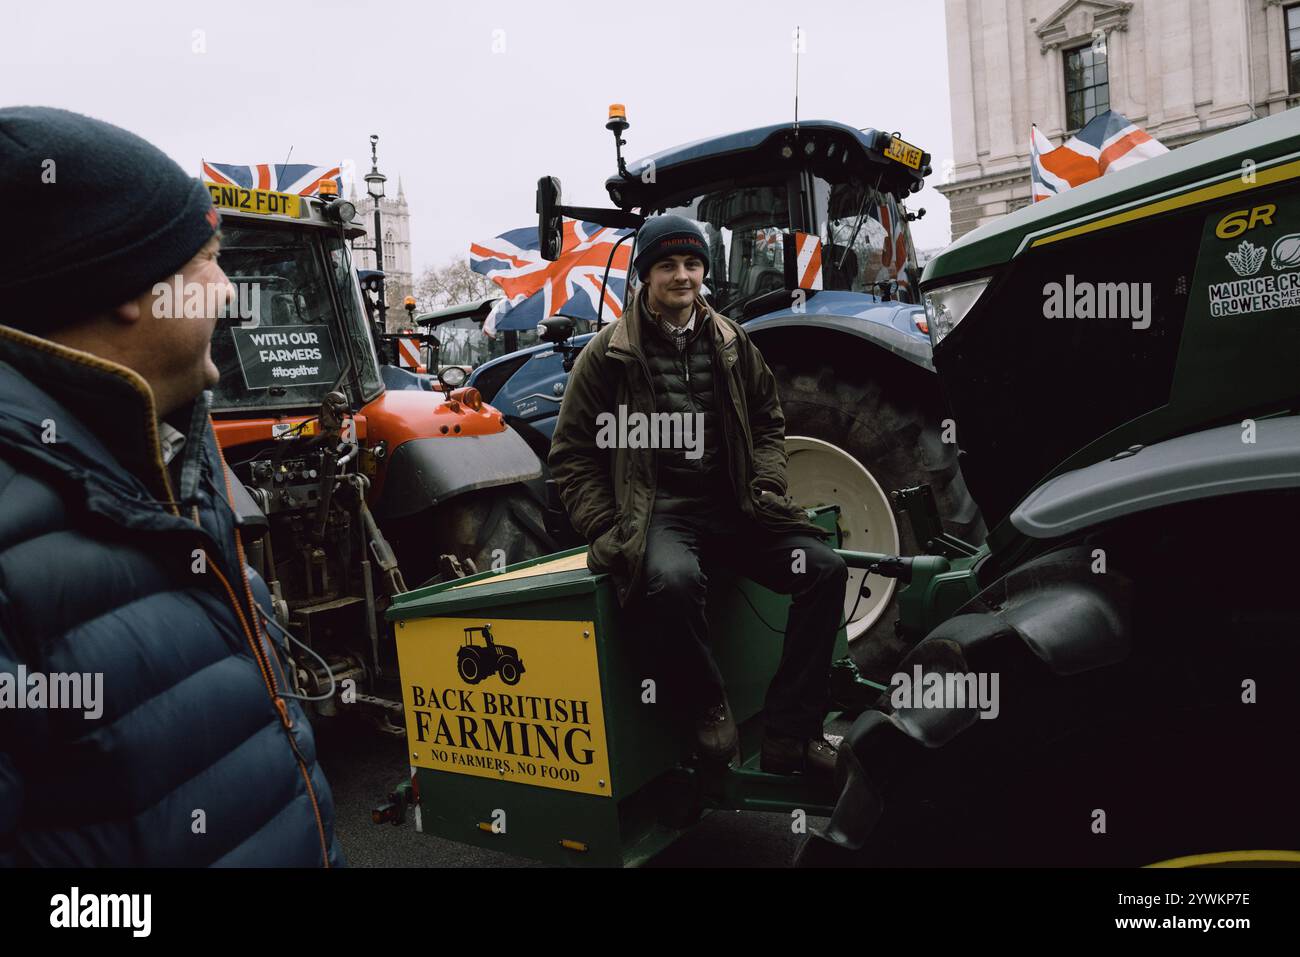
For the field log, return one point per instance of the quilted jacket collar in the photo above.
(103, 420)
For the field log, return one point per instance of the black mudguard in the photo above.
(425, 472)
(1051, 616)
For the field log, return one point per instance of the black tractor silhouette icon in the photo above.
(474, 663)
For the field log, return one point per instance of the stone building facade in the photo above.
(1179, 69)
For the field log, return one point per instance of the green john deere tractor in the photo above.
(1122, 363)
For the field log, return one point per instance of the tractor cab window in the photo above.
(865, 242)
(296, 328)
(355, 322)
(743, 224)
(512, 341)
(462, 343)
(282, 346)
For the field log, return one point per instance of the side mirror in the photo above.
(550, 221)
(557, 329)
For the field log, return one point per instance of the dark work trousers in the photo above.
(680, 550)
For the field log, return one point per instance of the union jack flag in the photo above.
(536, 289)
(300, 178)
(1108, 143)
(767, 239)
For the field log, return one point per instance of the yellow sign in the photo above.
(265, 202)
(290, 430)
(903, 152)
(509, 699)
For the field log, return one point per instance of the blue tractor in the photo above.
(850, 347)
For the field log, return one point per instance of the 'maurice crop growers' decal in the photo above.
(508, 699)
(1257, 269)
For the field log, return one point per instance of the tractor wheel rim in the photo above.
(821, 473)
(468, 668)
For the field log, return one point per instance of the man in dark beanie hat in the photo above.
(144, 718)
(657, 518)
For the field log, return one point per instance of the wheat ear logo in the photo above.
(1246, 259)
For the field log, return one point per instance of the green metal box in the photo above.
(542, 738)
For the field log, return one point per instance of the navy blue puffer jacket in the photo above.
(111, 564)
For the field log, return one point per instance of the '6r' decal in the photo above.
(1238, 221)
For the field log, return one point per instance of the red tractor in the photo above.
(354, 479)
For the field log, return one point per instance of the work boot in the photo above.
(787, 755)
(715, 732)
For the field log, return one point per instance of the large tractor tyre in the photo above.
(561, 530)
(493, 527)
(1181, 746)
(858, 426)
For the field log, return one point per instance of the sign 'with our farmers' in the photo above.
(508, 699)
(286, 355)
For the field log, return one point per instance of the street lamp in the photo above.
(375, 187)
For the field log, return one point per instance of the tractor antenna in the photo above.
(798, 40)
(287, 155)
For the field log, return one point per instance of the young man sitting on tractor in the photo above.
(657, 517)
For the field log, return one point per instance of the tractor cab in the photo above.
(349, 483)
(460, 340)
(298, 326)
(818, 208)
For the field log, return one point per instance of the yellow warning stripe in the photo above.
(1206, 193)
(1230, 857)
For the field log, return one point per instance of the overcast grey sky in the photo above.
(470, 128)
